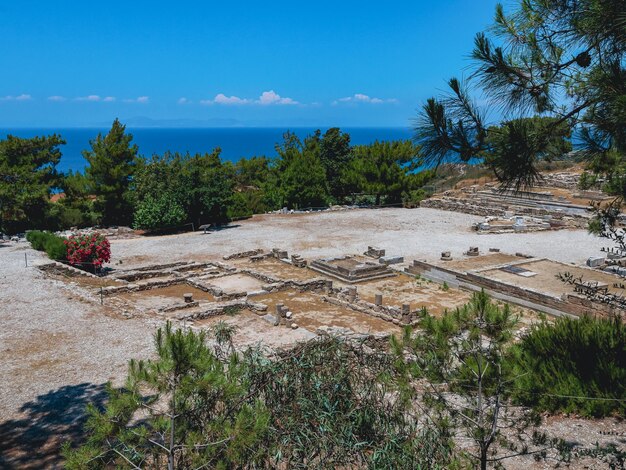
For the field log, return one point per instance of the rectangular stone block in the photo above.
(595, 261)
(387, 260)
(374, 252)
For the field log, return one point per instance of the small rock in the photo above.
(294, 326)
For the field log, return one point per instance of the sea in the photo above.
(235, 142)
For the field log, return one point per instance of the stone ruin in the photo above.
(138, 290)
(539, 207)
(351, 269)
(473, 251)
(380, 255)
(517, 223)
(348, 297)
(298, 261)
(284, 316)
(280, 254)
(374, 252)
(387, 260)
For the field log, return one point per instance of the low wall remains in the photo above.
(567, 305)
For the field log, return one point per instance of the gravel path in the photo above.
(413, 233)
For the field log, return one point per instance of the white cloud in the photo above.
(22, 97)
(271, 97)
(56, 98)
(139, 99)
(361, 98)
(183, 100)
(109, 99)
(221, 98)
(89, 98)
(267, 98)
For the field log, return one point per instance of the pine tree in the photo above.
(559, 59)
(27, 177)
(112, 160)
(184, 409)
(335, 155)
(462, 359)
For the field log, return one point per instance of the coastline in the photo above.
(236, 142)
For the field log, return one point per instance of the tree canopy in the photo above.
(381, 169)
(326, 404)
(173, 190)
(112, 160)
(558, 59)
(28, 176)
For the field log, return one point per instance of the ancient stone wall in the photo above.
(568, 303)
(58, 267)
(243, 254)
(500, 209)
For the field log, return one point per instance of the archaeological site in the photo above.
(282, 280)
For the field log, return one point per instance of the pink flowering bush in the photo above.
(88, 250)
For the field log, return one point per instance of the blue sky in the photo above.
(274, 63)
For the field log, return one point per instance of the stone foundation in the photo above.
(243, 254)
(568, 304)
(351, 269)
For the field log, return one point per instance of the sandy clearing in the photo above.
(413, 233)
(57, 351)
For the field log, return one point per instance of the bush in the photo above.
(36, 239)
(89, 250)
(324, 404)
(62, 216)
(574, 358)
(587, 180)
(238, 207)
(414, 197)
(52, 244)
(55, 248)
(159, 212)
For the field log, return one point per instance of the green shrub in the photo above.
(62, 216)
(36, 239)
(414, 197)
(238, 207)
(587, 180)
(49, 242)
(157, 212)
(574, 358)
(55, 248)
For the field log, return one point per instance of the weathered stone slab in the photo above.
(595, 261)
(387, 260)
(374, 252)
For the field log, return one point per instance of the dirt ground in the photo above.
(237, 283)
(152, 299)
(546, 279)
(276, 268)
(482, 261)
(413, 233)
(58, 347)
(310, 312)
(253, 330)
(405, 289)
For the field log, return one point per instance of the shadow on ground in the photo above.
(35, 440)
(219, 228)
